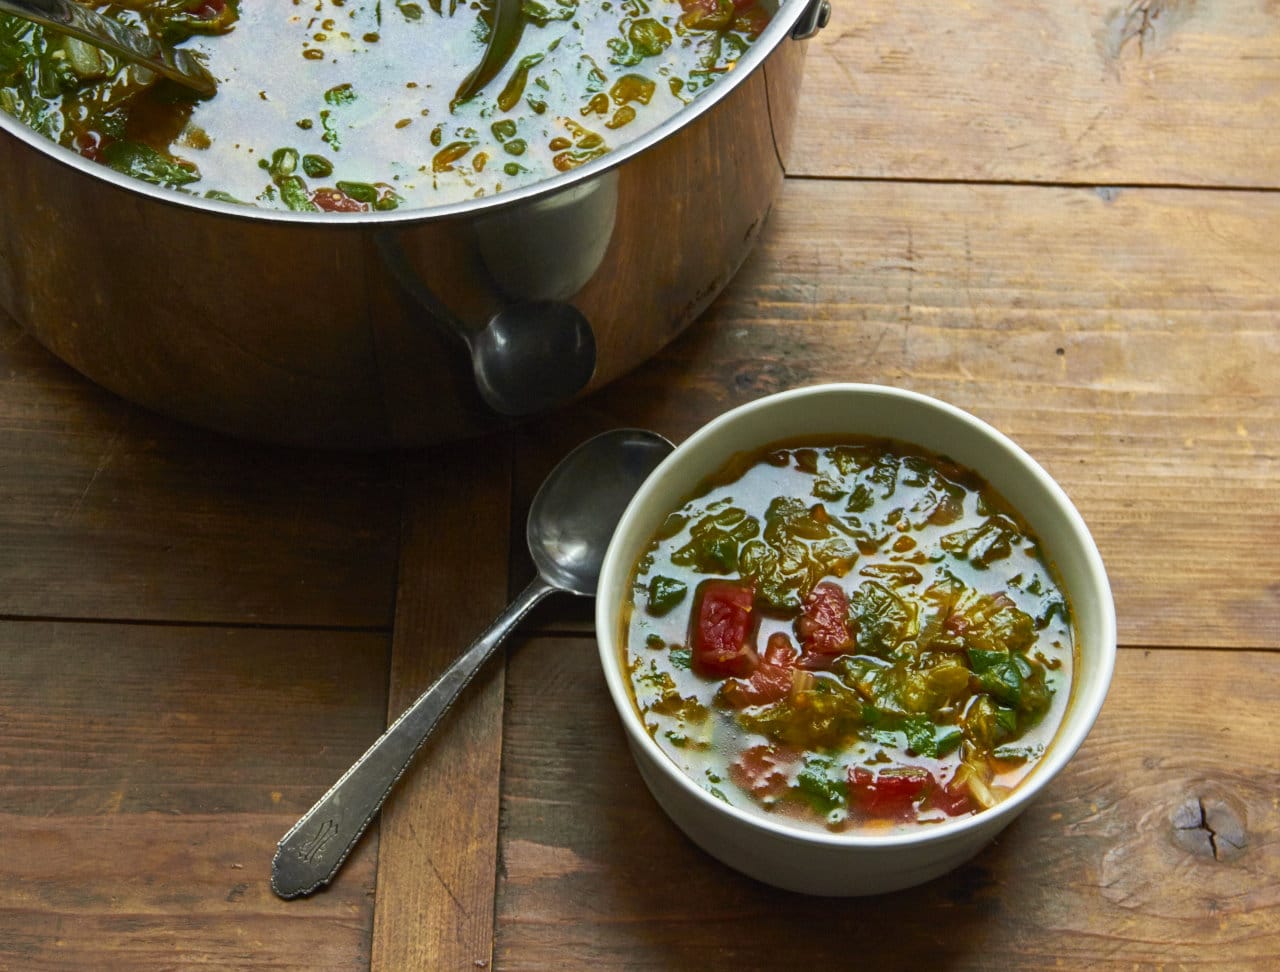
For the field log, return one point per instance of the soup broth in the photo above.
(857, 636)
(347, 105)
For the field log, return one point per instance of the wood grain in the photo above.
(1103, 92)
(1125, 336)
(439, 830)
(1116, 865)
(1127, 340)
(149, 772)
(107, 511)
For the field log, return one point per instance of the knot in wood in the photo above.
(1209, 827)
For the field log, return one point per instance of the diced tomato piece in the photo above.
(892, 793)
(770, 682)
(780, 651)
(764, 771)
(954, 799)
(823, 628)
(751, 18)
(722, 629)
(90, 145)
(335, 201)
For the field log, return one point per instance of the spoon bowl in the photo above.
(568, 537)
(571, 522)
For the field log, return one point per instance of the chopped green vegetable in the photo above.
(665, 593)
(924, 738)
(317, 166)
(295, 195)
(144, 162)
(823, 783)
(649, 37)
(998, 674)
(342, 94)
(885, 620)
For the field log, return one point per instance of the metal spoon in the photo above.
(571, 521)
(133, 45)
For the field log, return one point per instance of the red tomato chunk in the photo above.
(954, 799)
(892, 793)
(823, 628)
(722, 629)
(764, 771)
(334, 201)
(771, 682)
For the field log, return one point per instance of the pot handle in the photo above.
(530, 357)
(816, 16)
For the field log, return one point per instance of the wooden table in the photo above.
(1063, 217)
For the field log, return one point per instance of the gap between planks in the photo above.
(1029, 183)
(204, 625)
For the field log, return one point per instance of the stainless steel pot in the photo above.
(352, 331)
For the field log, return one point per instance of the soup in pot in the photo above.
(357, 105)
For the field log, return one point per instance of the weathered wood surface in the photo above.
(295, 601)
(1153, 92)
(439, 831)
(110, 512)
(1158, 847)
(149, 771)
(1127, 340)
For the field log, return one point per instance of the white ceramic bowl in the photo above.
(816, 862)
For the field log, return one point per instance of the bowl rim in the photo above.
(1078, 720)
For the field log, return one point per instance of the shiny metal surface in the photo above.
(571, 521)
(816, 16)
(533, 356)
(355, 330)
(88, 25)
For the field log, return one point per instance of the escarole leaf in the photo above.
(144, 162)
(504, 38)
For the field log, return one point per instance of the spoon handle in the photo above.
(310, 854)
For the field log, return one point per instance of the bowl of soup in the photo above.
(312, 255)
(851, 632)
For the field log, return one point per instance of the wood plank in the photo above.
(1171, 92)
(1126, 339)
(107, 511)
(1159, 845)
(149, 772)
(439, 832)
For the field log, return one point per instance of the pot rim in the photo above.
(779, 30)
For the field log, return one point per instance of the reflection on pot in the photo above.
(537, 351)
(550, 249)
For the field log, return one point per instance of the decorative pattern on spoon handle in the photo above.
(310, 854)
